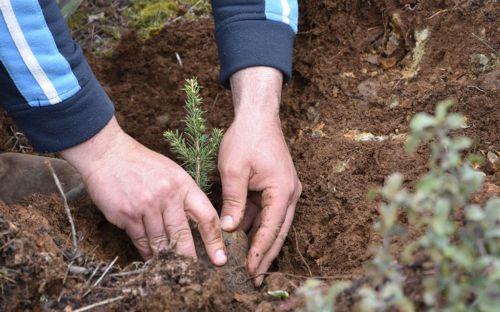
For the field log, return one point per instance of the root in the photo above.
(300, 253)
(100, 303)
(74, 253)
(108, 268)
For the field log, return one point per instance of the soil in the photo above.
(345, 116)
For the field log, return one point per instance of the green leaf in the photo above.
(474, 213)
(461, 143)
(455, 121)
(412, 143)
(493, 208)
(428, 183)
(442, 108)
(421, 121)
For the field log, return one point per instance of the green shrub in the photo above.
(149, 16)
(460, 239)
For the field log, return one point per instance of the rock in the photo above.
(493, 161)
(24, 175)
(480, 63)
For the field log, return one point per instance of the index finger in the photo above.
(201, 210)
(274, 207)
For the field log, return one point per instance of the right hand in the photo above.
(146, 194)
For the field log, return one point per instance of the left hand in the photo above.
(254, 157)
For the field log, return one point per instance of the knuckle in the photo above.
(130, 213)
(180, 234)
(271, 230)
(147, 199)
(141, 242)
(299, 188)
(230, 202)
(164, 186)
(158, 239)
(157, 243)
(213, 239)
(230, 171)
(211, 220)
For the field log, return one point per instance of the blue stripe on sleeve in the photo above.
(294, 14)
(17, 69)
(284, 11)
(31, 20)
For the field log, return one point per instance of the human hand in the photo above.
(254, 157)
(146, 194)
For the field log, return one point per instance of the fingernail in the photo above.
(220, 257)
(227, 223)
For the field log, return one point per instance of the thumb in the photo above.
(234, 195)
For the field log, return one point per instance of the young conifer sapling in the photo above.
(194, 147)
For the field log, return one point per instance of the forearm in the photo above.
(257, 93)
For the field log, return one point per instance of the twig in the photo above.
(178, 57)
(477, 88)
(66, 208)
(67, 272)
(485, 43)
(101, 277)
(100, 303)
(93, 274)
(121, 274)
(300, 253)
(437, 13)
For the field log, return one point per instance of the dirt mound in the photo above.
(358, 78)
(35, 273)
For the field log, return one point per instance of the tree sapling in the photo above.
(196, 149)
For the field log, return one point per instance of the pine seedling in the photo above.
(196, 149)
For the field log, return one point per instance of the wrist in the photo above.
(257, 93)
(87, 156)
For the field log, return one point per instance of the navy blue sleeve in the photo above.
(46, 85)
(255, 33)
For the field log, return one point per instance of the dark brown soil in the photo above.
(348, 80)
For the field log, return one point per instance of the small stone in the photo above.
(480, 62)
(340, 166)
(493, 160)
(347, 75)
(372, 59)
(394, 101)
